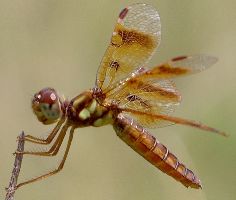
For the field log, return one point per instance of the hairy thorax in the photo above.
(84, 110)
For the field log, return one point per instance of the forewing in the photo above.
(134, 40)
(182, 65)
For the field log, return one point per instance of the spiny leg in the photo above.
(49, 138)
(55, 147)
(59, 167)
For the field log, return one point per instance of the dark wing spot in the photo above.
(169, 70)
(123, 13)
(114, 64)
(179, 58)
(132, 97)
(130, 36)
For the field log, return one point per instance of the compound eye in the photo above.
(46, 105)
(47, 95)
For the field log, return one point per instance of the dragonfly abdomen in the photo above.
(141, 141)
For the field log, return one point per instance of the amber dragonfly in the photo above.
(126, 95)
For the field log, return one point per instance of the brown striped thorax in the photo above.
(84, 110)
(127, 95)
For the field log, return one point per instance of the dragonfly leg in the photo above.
(61, 165)
(49, 138)
(55, 147)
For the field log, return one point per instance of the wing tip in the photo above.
(211, 59)
(224, 134)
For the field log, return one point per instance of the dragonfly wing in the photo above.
(182, 65)
(155, 96)
(177, 120)
(136, 36)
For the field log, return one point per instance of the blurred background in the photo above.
(60, 44)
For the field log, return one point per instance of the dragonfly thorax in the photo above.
(84, 110)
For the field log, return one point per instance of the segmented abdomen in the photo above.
(153, 151)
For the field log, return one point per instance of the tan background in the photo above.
(60, 44)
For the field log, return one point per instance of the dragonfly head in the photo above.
(47, 106)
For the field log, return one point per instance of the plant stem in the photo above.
(16, 169)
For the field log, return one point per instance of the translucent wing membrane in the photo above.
(141, 95)
(155, 96)
(134, 40)
(125, 82)
(179, 66)
(172, 119)
(152, 91)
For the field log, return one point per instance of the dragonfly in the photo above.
(127, 95)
